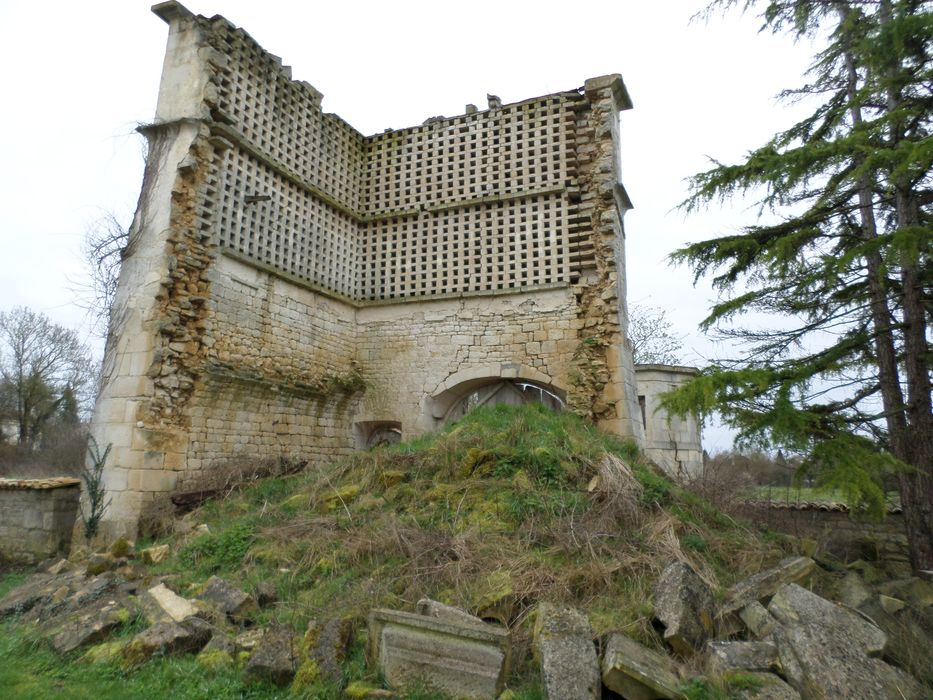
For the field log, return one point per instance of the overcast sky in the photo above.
(79, 77)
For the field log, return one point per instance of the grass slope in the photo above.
(505, 508)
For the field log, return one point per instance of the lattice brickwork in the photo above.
(514, 149)
(291, 230)
(283, 119)
(468, 204)
(492, 246)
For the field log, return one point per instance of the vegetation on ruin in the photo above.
(502, 509)
(839, 261)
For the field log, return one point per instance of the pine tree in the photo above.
(841, 263)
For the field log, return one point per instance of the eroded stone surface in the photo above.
(770, 687)
(273, 660)
(683, 604)
(563, 644)
(757, 619)
(639, 673)
(230, 600)
(160, 603)
(462, 659)
(723, 657)
(155, 555)
(820, 664)
(92, 624)
(167, 637)
(765, 584)
(326, 643)
(794, 605)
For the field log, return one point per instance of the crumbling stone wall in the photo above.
(36, 518)
(290, 281)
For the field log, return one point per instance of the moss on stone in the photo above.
(307, 675)
(214, 659)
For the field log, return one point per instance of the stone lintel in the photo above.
(171, 11)
(614, 82)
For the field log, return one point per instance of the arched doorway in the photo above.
(513, 392)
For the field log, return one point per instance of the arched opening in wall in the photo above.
(513, 392)
(369, 434)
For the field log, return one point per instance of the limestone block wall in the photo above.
(282, 378)
(289, 280)
(36, 518)
(672, 442)
(413, 353)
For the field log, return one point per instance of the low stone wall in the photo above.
(36, 518)
(835, 530)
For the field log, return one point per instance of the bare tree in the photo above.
(104, 245)
(42, 366)
(653, 339)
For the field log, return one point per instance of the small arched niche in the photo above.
(368, 434)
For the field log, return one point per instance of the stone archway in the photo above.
(491, 384)
(513, 392)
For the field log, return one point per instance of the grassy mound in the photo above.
(503, 509)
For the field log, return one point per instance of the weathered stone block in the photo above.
(273, 660)
(463, 659)
(563, 644)
(160, 603)
(723, 657)
(231, 601)
(793, 605)
(683, 604)
(638, 673)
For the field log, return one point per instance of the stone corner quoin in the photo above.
(293, 287)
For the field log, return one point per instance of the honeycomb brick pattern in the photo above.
(470, 204)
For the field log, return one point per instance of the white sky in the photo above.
(79, 77)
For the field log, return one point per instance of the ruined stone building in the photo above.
(294, 288)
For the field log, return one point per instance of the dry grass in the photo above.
(502, 510)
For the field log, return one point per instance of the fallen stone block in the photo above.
(909, 646)
(757, 619)
(563, 645)
(155, 555)
(466, 660)
(166, 638)
(60, 567)
(23, 598)
(723, 657)
(230, 600)
(99, 563)
(250, 639)
(767, 687)
(265, 594)
(794, 605)
(683, 604)
(326, 644)
(820, 664)
(92, 624)
(638, 673)
(765, 584)
(161, 604)
(273, 660)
